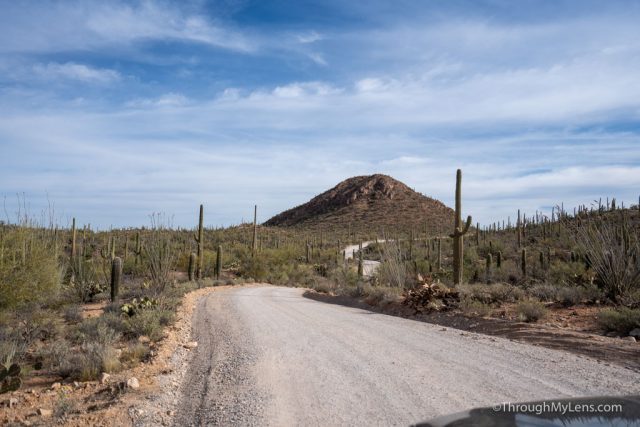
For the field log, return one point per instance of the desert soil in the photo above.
(268, 356)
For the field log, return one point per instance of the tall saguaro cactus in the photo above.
(254, 246)
(116, 277)
(200, 241)
(73, 238)
(193, 259)
(458, 232)
(219, 262)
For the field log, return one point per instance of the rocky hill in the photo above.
(369, 203)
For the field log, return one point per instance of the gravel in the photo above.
(268, 356)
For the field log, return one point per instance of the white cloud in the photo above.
(310, 37)
(79, 25)
(167, 100)
(73, 71)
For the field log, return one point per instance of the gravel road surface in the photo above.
(268, 356)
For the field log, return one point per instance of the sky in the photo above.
(112, 111)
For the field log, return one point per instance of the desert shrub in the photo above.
(84, 282)
(22, 329)
(255, 267)
(64, 408)
(494, 294)
(472, 307)
(613, 251)
(569, 296)
(134, 353)
(29, 268)
(73, 313)
(149, 323)
(380, 295)
(96, 329)
(530, 311)
(392, 270)
(323, 287)
(544, 292)
(344, 276)
(622, 320)
(83, 363)
(569, 273)
(591, 293)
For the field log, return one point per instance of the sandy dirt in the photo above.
(268, 356)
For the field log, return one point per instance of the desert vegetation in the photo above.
(77, 302)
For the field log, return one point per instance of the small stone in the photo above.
(45, 412)
(171, 413)
(104, 378)
(133, 383)
(191, 344)
(12, 402)
(143, 339)
(630, 338)
(635, 333)
(76, 384)
(56, 386)
(612, 334)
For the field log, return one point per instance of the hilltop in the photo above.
(368, 203)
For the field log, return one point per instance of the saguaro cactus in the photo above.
(254, 246)
(360, 262)
(523, 262)
(200, 241)
(138, 249)
(73, 238)
(219, 262)
(488, 268)
(459, 232)
(193, 259)
(116, 277)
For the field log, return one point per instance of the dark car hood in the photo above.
(590, 411)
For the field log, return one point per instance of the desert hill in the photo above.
(369, 203)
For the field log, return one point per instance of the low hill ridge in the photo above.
(368, 203)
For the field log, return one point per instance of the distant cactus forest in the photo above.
(523, 268)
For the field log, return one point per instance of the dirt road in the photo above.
(268, 356)
(369, 267)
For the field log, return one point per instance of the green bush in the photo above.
(149, 323)
(29, 268)
(544, 292)
(622, 320)
(530, 311)
(472, 307)
(570, 296)
(494, 294)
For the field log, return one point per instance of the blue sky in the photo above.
(115, 110)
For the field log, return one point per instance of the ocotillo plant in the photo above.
(458, 233)
(200, 241)
(254, 246)
(219, 262)
(116, 277)
(193, 259)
